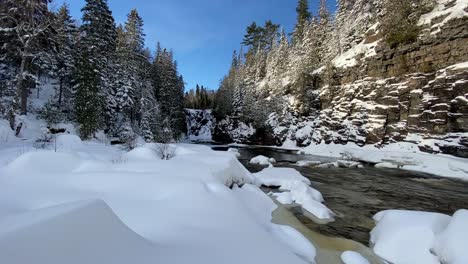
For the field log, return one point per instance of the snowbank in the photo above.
(403, 155)
(68, 142)
(296, 189)
(40, 236)
(451, 244)
(262, 160)
(137, 208)
(234, 151)
(351, 257)
(407, 237)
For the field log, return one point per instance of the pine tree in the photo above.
(324, 14)
(66, 35)
(169, 89)
(87, 102)
(253, 37)
(98, 42)
(98, 33)
(303, 16)
(270, 34)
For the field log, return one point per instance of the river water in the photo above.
(355, 195)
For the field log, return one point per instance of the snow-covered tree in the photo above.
(25, 25)
(66, 37)
(303, 17)
(98, 43)
(88, 107)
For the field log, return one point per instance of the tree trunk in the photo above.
(60, 93)
(21, 90)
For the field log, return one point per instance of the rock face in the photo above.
(200, 124)
(372, 93)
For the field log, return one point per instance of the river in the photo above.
(355, 195)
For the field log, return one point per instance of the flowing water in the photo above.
(355, 195)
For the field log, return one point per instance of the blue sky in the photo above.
(202, 33)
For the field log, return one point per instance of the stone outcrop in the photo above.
(373, 93)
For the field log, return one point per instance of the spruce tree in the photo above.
(66, 35)
(303, 16)
(87, 102)
(98, 42)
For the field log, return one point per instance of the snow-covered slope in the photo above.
(92, 203)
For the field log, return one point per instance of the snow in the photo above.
(459, 66)
(404, 155)
(450, 245)
(38, 236)
(234, 151)
(296, 189)
(256, 200)
(262, 160)
(348, 164)
(351, 257)
(278, 177)
(306, 163)
(446, 9)
(407, 237)
(200, 124)
(350, 57)
(68, 142)
(92, 203)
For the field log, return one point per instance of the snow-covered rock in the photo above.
(235, 151)
(296, 189)
(348, 164)
(200, 124)
(307, 163)
(262, 160)
(407, 237)
(451, 244)
(278, 177)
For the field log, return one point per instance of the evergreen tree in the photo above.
(253, 37)
(169, 89)
(270, 34)
(87, 102)
(66, 35)
(98, 42)
(303, 16)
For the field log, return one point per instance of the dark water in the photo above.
(355, 195)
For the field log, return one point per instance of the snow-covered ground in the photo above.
(93, 203)
(402, 155)
(408, 237)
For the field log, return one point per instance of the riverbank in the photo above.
(356, 196)
(402, 155)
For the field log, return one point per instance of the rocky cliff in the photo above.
(373, 93)
(200, 124)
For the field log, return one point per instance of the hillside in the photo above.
(351, 80)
